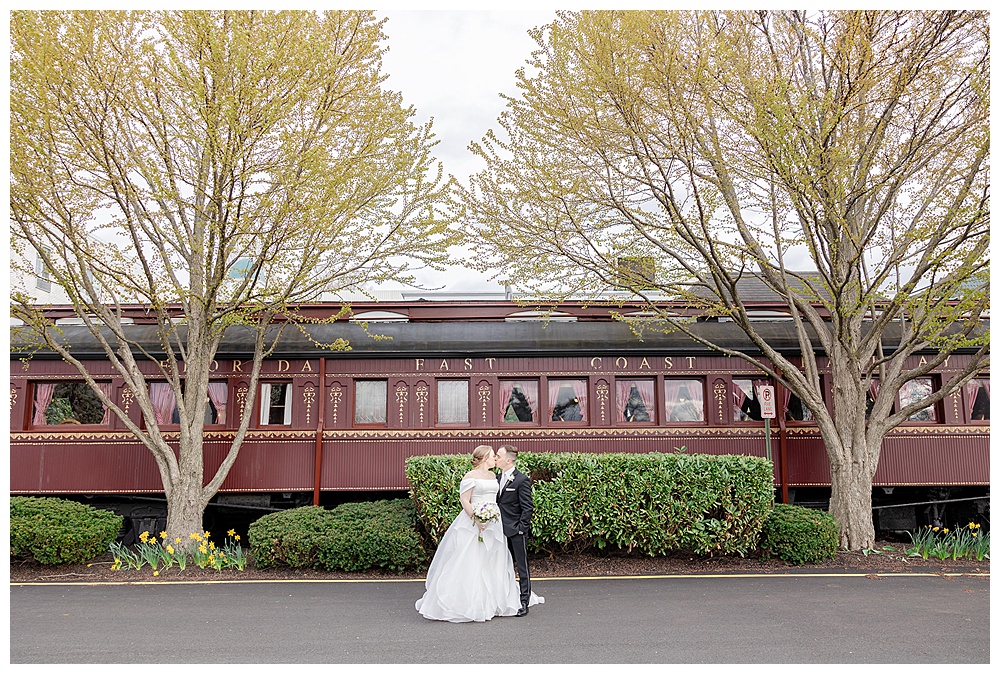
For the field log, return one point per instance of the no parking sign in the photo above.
(766, 395)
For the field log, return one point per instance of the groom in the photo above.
(514, 499)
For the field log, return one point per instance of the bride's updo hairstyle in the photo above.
(480, 453)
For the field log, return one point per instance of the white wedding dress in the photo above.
(469, 580)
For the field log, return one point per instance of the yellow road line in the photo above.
(421, 580)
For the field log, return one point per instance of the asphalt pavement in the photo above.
(809, 618)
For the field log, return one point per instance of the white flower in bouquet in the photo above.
(486, 512)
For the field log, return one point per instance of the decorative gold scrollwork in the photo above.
(422, 391)
(336, 393)
(603, 393)
(308, 396)
(127, 398)
(720, 396)
(241, 397)
(401, 395)
(484, 398)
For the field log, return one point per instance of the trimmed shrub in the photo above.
(57, 531)
(654, 503)
(350, 537)
(799, 535)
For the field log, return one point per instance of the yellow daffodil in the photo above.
(236, 537)
(207, 534)
(170, 549)
(231, 532)
(163, 534)
(177, 540)
(156, 573)
(945, 530)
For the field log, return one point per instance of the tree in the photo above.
(218, 167)
(726, 146)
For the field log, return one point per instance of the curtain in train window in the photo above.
(370, 401)
(568, 399)
(746, 406)
(276, 404)
(453, 401)
(165, 405)
(518, 400)
(914, 391)
(977, 399)
(69, 403)
(684, 400)
(634, 400)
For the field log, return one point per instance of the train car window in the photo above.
(165, 405)
(914, 391)
(519, 400)
(453, 401)
(795, 410)
(635, 401)
(746, 406)
(977, 399)
(870, 396)
(276, 404)
(370, 401)
(684, 400)
(69, 404)
(568, 400)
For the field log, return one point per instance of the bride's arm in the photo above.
(466, 498)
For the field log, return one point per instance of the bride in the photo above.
(471, 577)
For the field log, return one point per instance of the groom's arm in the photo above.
(527, 505)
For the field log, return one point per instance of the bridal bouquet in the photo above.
(486, 512)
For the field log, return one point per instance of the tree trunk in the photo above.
(851, 504)
(185, 511)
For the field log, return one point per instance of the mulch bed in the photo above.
(586, 564)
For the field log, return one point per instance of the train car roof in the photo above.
(449, 339)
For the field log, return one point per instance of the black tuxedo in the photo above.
(516, 506)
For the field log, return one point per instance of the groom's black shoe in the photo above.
(522, 611)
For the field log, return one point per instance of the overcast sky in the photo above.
(452, 66)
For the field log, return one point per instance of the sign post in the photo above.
(766, 396)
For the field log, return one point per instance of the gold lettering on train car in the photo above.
(237, 366)
(468, 363)
(444, 366)
(214, 366)
(491, 361)
(690, 362)
(283, 365)
(923, 361)
(419, 364)
(668, 362)
(306, 367)
(597, 363)
(946, 359)
(621, 362)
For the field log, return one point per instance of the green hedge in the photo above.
(350, 537)
(799, 535)
(653, 503)
(57, 531)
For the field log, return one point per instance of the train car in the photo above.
(332, 426)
